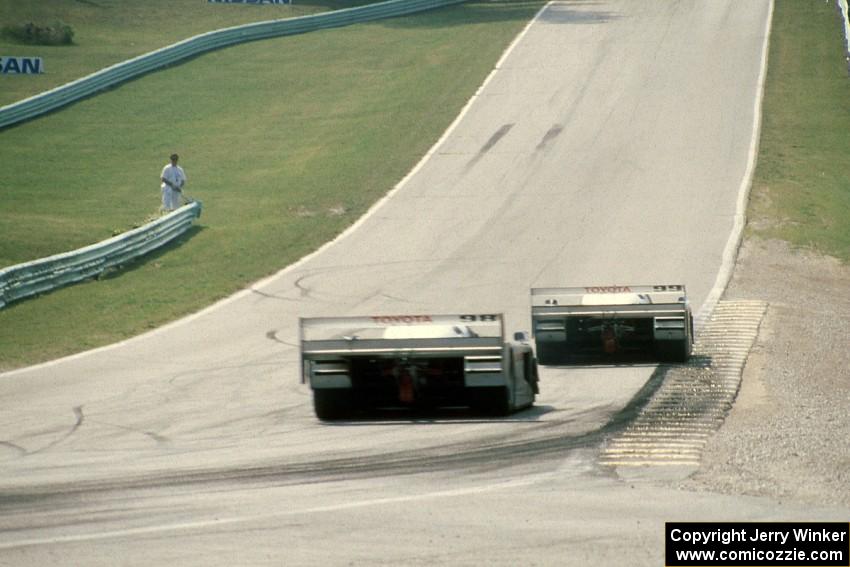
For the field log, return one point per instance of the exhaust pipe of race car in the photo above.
(406, 393)
(406, 382)
(609, 340)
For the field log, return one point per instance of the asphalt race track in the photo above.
(610, 146)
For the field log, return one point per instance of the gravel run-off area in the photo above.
(788, 433)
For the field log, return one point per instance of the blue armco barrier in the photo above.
(48, 101)
(39, 276)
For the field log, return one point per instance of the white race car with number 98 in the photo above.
(415, 361)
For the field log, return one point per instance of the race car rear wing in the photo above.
(571, 320)
(604, 298)
(607, 301)
(473, 337)
(392, 327)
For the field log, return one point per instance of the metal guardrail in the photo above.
(25, 280)
(39, 276)
(71, 92)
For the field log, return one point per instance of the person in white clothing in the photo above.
(173, 179)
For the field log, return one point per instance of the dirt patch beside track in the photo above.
(787, 434)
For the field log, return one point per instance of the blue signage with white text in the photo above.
(249, 1)
(21, 65)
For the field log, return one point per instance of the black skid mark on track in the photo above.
(553, 133)
(299, 283)
(273, 296)
(494, 139)
(155, 436)
(78, 412)
(548, 444)
(382, 295)
(490, 144)
(272, 336)
(487, 454)
(17, 448)
(307, 292)
(394, 298)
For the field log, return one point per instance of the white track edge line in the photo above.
(730, 252)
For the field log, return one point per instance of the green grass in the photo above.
(286, 142)
(801, 189)
(110, 31)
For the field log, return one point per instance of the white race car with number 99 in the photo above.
(608, 323)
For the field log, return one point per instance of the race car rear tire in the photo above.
(549, 354)
(534, 381)
(670, 351)
(332, 403)
(494, 401)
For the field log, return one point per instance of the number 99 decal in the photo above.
(483, 318)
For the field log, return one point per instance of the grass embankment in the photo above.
(285, 141)
(801, 189)
(110, 31)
